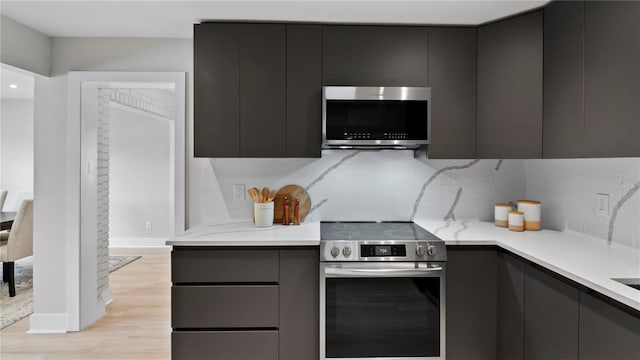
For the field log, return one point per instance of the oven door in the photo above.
(393, 310)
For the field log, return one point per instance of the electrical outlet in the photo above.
(239, 192)
(147, 225)
(602, 202)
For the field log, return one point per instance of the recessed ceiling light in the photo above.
(13, 86)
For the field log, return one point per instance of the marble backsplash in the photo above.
(352, 185)
(392, 185)
(567, 189)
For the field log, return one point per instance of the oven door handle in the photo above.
(342, 272)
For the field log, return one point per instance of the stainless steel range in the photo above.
(382, 291)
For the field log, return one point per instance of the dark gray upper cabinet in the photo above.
(304, 90)
(257, 90)
(216, 63)
(510, 88)
(375, 55)
(606, 332)
(612, 78)
(471, 303)
(551, 317)
(452, 78)
(510, 327)
(262, 90)
(563, 124)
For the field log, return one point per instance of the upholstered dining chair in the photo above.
(17, 243)
(3, 197)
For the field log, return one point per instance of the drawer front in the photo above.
(224, 266)
(224, 345)
(250, 306)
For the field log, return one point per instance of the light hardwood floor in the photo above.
(137, 324)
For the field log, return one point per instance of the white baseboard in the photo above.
(137, 242)
(48, 323)
(107, 296)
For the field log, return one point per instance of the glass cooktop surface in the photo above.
(374, 231)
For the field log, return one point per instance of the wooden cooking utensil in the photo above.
(272, 195)
(265, 195)
(254, 194)
(292, 192)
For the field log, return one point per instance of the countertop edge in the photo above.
(553, 268)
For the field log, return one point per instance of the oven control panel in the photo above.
(383, 250)
(349, 250)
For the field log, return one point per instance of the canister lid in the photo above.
(532, 202)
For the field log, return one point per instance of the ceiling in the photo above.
(24, 84)
(174, 19)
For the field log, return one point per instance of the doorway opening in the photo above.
(128, 176)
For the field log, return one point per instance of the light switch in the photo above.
(239, 192)
(602, 204)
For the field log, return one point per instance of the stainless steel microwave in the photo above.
(375, 117)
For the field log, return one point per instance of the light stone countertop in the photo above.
(588, 261)
(247, 234)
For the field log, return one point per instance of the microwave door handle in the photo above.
(341, 272)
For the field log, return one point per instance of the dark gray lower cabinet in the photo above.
(299, 304)
(510, 329)
(245, 303)
(551, 317)
(225, 345)
(471, 303)
(606, 332)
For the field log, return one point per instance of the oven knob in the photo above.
(335, 251)
(346, 251)
(431, 250)
(420, 251)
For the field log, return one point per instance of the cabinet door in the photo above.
(304, 90)
(563, 79)
(510, 329)
(262, 90)
(452, 78)
(299, 304)
(216, 90)
(375, 55)
(224, 345)
(612, 77)
(551, 317)
(471, 304)
(607, 332)
(510, 88)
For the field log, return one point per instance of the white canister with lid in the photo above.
(501, 215)
(531, 211)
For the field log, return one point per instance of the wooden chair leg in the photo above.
(12, 280)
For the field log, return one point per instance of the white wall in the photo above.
(16, 159)
(567, 189)
(50, 186)
(24, 47)
(139, 174)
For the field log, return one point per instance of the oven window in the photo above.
(388, 119)
(382, 317)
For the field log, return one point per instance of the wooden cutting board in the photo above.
(292, 192)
